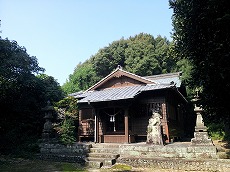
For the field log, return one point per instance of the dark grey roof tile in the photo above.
(111, 94)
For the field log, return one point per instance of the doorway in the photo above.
(113, 120)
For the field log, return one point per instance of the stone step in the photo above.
(104, 150)
(105, 145)
(98, 160)
(94, 164)
(103, 155)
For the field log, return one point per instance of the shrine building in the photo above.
(117, 108)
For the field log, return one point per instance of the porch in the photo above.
(120, 121)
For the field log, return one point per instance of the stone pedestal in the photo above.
(201, 138)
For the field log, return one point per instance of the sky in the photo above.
(63, 33)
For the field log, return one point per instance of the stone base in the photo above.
(178, 164)
(69, 153)
(201, 138)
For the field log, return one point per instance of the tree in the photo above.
(141, 57)
(52, 89)
(22, 96)
(201, 35)
(82, 78)
(107, 58)
(16, 67)
(141, 54)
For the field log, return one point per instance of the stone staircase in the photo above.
(102, 154)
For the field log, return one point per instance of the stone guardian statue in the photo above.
(154, 132)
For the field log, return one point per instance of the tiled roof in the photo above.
(170, 78)
(120, 93)
(154, 82)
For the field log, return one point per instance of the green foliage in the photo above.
(185, 66)
(68, 105)
(52, 89)
(216, 131)
(142, 54)
(142, 58)
(67, 131)
(201, 35)
(67, 111)
(22, 97)
(107, 58)
(83, 77)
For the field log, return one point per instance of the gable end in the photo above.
(120, 78)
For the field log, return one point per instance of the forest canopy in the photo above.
(141, 54)
(201, 36)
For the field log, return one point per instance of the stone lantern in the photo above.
(200, 134)
(47, 132)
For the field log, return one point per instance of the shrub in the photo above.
(67, 115)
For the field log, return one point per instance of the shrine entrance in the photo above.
(113, 120)
(113, 125)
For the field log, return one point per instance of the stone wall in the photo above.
(175, 156)
(169, 151)
(218, 165)
(70, 153)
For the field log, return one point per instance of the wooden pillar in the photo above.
(79, 130)
(127, 125)
(165, 122)
(97, 128)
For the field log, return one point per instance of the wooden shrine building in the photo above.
(118, 107)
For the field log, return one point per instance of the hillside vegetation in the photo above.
(141, 54)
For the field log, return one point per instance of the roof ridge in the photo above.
(164, 74)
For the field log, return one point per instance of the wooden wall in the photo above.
(119, 82)
(139, 115)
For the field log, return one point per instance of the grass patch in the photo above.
(121, 167)
(70, 167)
(9, 164)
